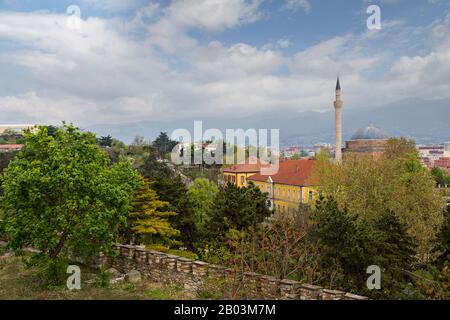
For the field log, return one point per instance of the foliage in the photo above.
(397, 182)
(442, 246)
(105, 141)
(5, 159)
(11, 137)
(163, 144)
(171, 188)
(236, 208)
(176, 252)
(432, 282)
(61, 195)
(149, 223)
(201, 197)
(442, 178)
(353, 245)
(279, 248)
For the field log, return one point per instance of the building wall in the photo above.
(364, 148)
(288, 197)
(194, 276)
(239, 179)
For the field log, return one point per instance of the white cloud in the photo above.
(170, 31)
(304, 5)
(113, 5)
(101, 74)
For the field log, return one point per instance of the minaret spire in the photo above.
(338, 103)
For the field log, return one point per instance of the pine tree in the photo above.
(236, 208)
(148, 221)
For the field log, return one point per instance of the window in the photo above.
(279, 191)
(310, 195)
(242, 180)
(293, 194)
(289, 193)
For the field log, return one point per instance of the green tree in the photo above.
(163, 144)
(170, 188)
(238, 209)
(105, 141)
(352, 245)
(442, 178)
(397, 182)
(201, 197)
(62, 196)
(148, 221)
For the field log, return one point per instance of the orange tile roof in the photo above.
(11, 146)
(251, 165)
(290, 172)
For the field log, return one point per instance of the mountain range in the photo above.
(425, 121)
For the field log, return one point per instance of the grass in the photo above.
(17, 282)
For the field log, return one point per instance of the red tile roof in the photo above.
(290, 172)
(10, 146)
(251, 165)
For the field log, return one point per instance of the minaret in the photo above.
(338, 121)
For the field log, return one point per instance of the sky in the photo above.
(135, 60)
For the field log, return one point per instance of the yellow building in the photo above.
(239, 174)
(290, 187)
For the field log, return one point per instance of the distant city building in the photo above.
(435, 156)
(289, 152)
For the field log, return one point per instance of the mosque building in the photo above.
(365, 142)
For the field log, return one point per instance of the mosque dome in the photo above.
(370, 133)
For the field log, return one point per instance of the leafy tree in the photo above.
(163, 144)
(442, 178)
(105, 141)
(397, 147)
(51, 130)
(148, 221)
(170, 188)
(10, 136)
(236, 208)
(442, 247)
(201, 197)
(62, 196)
(353, 245)
(367, 188)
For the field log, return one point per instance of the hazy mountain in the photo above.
(424, 121)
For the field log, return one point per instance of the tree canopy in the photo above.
(62, 195)
(396, 183)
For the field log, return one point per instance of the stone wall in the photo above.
(197, 275)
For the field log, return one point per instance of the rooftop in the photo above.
(370, 133)
(250, 165)
(290, 172)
